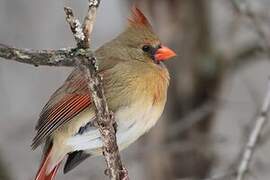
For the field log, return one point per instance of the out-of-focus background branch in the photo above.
(256, 131)
(218, 82)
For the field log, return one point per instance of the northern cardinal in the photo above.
(135, 84)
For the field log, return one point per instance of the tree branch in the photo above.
(253, 138)
(243, 9)
(89, 20)
(75, 27)
(105, 119)
(64, 57)
(83, 57)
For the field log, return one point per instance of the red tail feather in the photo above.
(42, 174)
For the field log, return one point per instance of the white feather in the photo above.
(132, 121)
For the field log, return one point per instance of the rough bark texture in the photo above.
(83, 57)
(105, 120)
(87, 63)
(64, 57)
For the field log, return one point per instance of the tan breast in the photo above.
(136, 93)
(127, 82)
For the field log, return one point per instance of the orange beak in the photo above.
(164, 53)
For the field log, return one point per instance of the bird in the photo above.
(135, 82)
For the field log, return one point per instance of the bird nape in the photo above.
(135, 85)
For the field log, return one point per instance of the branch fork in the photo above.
(83, 57)
(105, 119)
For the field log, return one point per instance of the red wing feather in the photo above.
(67, 102)
(74, 85)
(59, 114)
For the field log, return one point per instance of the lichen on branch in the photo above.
(62, 57)
(83, 57)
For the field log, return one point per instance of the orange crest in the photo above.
(138, 18)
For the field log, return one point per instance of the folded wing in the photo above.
(67, 102)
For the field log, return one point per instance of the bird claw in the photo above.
(124, 174)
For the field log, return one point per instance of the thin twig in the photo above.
(83, 57)
(253, 138)
(75, 26)
(243, 8)
(105, 119)
(89, 21)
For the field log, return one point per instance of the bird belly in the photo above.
(133, 121)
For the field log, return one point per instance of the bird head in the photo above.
(140, 42)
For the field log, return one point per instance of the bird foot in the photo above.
(124, 174)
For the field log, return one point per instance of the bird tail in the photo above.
(44, 173)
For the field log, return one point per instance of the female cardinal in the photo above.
(135, 84)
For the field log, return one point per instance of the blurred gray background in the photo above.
(219, 61)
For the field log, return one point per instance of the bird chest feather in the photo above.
(132, 81)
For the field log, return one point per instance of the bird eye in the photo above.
(146, 48)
